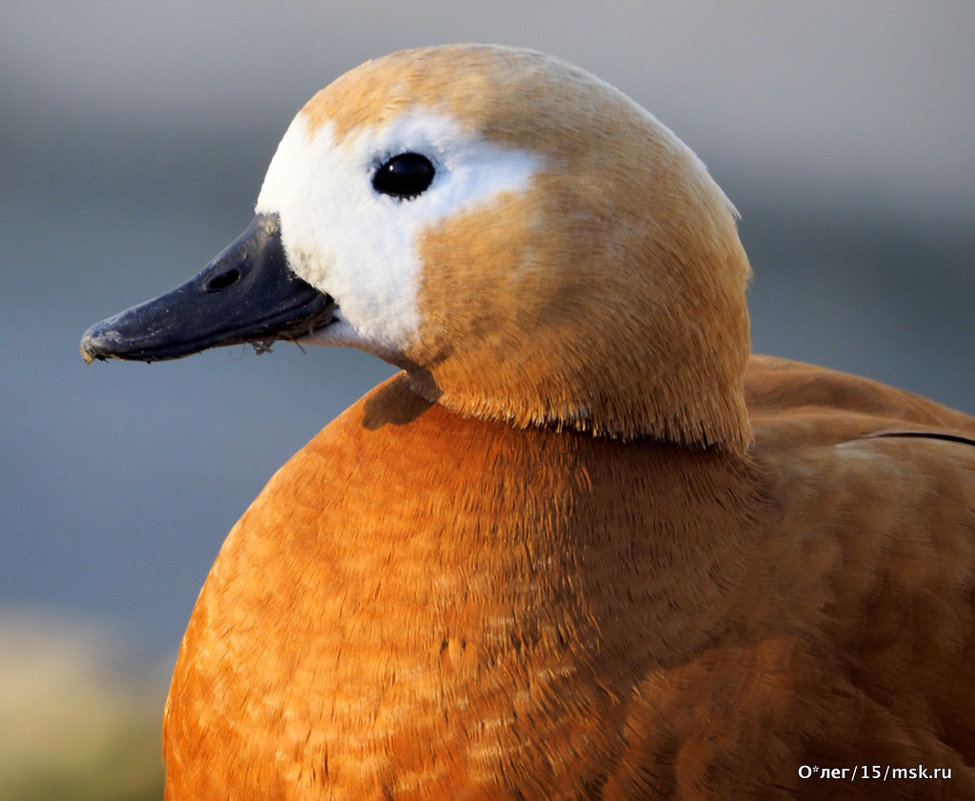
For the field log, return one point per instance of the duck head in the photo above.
(528, 243)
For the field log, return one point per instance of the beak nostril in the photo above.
(223, 280)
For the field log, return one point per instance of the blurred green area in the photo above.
(78, 721)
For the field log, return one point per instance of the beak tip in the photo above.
(89, 354)
(97, 342)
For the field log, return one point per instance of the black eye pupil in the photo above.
(406, 175)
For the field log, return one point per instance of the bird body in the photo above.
(583, 546)
(487, 622)
(535, 613)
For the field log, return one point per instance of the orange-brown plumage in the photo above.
(584, 546)
(593, 618)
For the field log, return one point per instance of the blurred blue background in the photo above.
(133, 142)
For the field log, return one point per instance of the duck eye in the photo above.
(404, 176)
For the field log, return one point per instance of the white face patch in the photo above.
(360, 246)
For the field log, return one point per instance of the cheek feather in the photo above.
(361, 246)
(340, 235)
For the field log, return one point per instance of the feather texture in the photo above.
(584, 546)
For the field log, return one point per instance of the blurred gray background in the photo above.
(133, 142)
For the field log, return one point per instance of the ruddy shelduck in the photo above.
(583, 545)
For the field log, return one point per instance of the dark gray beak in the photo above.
(246, 294)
